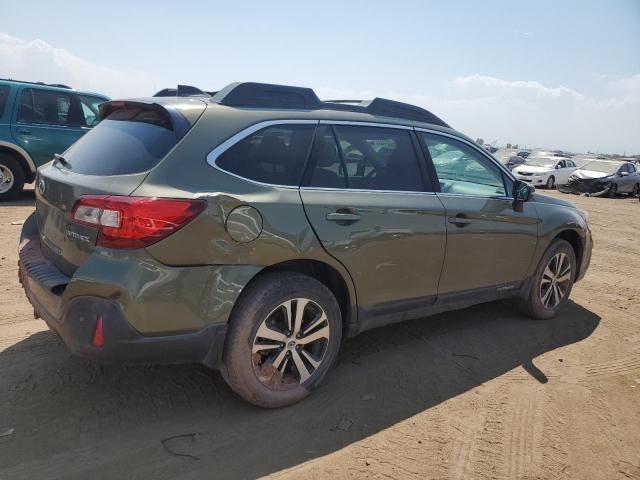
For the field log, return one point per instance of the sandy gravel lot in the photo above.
(476, 394)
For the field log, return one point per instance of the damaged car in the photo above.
(604, 178)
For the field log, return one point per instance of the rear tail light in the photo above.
(134, 222)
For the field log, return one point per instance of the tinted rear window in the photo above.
(129, 141)
(4, 93)
(274, 155)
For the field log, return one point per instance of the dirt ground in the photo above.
(476, 394)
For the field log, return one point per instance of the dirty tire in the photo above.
(10, 164)
(636, 190)
(613, 190)
(256, 303)
(533, 305)
(551, 182)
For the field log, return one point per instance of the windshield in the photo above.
(541, 162)
(600, 166)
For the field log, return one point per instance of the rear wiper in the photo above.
(60, 159)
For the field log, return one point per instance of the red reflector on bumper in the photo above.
(98, 338)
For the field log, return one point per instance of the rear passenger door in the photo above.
(46, 122)
(369, 201)
(489, 245)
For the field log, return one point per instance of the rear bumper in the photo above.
(75, 320)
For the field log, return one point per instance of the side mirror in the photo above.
(521, 193)
(624, 174)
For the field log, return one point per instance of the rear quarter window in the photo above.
(130, 140)
(273, 155)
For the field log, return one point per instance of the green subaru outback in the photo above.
(38, 120)
(255, 230)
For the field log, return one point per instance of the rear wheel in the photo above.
(11, 177)
(552, 281)
(636, 190)
(551, 182)
(283, 337)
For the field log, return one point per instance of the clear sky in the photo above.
(557, 74)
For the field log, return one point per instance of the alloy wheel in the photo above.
(6, 179)
(556, 280)
(290, 344)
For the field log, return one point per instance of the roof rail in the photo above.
(264, 95)
(183, 91)
(57, 85)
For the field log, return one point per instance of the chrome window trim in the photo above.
(363, 190)
(474, 147)
(213, 155)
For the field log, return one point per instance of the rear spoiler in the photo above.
(168, 115)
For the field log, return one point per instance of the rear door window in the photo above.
(4, 93)
(274, 155)
(377, 158)
(130, 140)
(49, 107)
(327, 168)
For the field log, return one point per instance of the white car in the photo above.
(545, 171)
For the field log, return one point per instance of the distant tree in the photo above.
(508, 145)
(480, 141)
(516, 146)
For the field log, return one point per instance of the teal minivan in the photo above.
(37, 121)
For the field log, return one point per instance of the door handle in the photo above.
(24, 131)
(343, 215)
(459, 221)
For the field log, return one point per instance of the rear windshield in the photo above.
(128, 141)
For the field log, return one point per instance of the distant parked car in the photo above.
(523, 153)
(508, 157)
(37, 121)
(545, 171)
(515, 161)
(602, 177)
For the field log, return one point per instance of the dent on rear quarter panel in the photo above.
(157, 298)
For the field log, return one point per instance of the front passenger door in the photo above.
(489, 244)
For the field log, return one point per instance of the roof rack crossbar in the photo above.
(264, 95)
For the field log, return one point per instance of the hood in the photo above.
(588, 174)
(540, 198)
(532, 169)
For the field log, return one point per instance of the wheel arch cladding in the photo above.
(329, 277)
(575, 241)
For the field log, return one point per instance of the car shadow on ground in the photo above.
(25, 198)
(73, 419)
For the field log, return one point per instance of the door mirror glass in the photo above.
(624, 174)
(521, 191)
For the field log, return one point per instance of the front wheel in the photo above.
(284, 335)
(551, 182)
(552, 281)
(613, 190)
